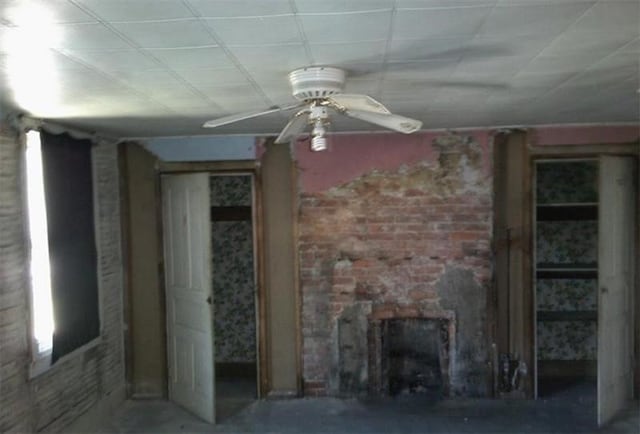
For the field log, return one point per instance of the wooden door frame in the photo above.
(240, 168)
(510, 300)
(553, 152)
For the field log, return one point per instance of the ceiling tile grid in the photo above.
(179, 61)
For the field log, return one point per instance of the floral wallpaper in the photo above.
(567, 294)
(564, 243)
(567, 242)
(567, 340)
(231, 190)
(233, 274)
(567, 182)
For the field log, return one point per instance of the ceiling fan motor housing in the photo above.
(316, 82)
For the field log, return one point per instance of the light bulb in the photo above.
(318, 143)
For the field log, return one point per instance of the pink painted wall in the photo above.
(352, 155)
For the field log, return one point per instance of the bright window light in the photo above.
(40, 271)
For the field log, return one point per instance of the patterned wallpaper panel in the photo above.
(567, 182)
(567, 294)
(233, 279)
(567, 242)
(567, 340)
(231, 190)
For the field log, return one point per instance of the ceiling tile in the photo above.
(344, 53)
(60, 61)
(489, 47)
(167, 34)
(84, 80)
(544, 19)
(443, 22)
(496, 67)
(189, 58)
(620, 60)
(237, 103)
(241, 8)
(113, 60)
(280, 58)
(138, 10)
(347, 27)
(631, 47)
(426, 4)
(419, 71)
(538, 82)
(337, 6)
(366, 87)
(605, 76)
(364, 71)
(616, 16)
(538, 2)
(86, 36)
(178, 103)
(573, 42)
(256, 30)
(164, 91)
(434, 48)
(563, 64)
(26, 12)
(279, 93)
(211, 77)
(149, 78)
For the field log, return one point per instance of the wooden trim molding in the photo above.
(216, 167)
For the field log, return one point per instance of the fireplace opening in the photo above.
(410, 356)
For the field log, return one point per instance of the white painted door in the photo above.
(187, 251)
(615, 282)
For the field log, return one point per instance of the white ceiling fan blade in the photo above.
(358, 102)
(391, 121)
(294, 127)
(247, 115)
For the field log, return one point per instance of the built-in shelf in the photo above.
(567, 315)
(569, 211)
(566, 271)
(230, 213)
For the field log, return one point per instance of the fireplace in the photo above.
(409, 354)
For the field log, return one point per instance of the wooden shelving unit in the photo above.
(558, 213)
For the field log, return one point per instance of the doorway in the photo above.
(566, 277)
(234, 291)
(584, 263)
(210, 240)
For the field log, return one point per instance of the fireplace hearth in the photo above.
(410, 355)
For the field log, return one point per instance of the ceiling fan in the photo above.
(319, 88)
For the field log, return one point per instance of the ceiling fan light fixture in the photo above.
(318, 139)
(316, 82)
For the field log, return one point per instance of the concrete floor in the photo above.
(406, 414)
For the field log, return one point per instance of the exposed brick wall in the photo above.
(413, 238)
(53, 400)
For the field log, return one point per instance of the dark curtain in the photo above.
(68, 187)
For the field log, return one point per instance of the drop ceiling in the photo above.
(143, 68)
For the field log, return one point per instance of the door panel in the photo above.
(615, 281)
(188, 292)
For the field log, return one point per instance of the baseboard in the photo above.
(282, 394)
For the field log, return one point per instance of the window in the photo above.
(39, 267)
(63, 258)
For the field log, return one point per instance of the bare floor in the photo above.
(406, 414)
